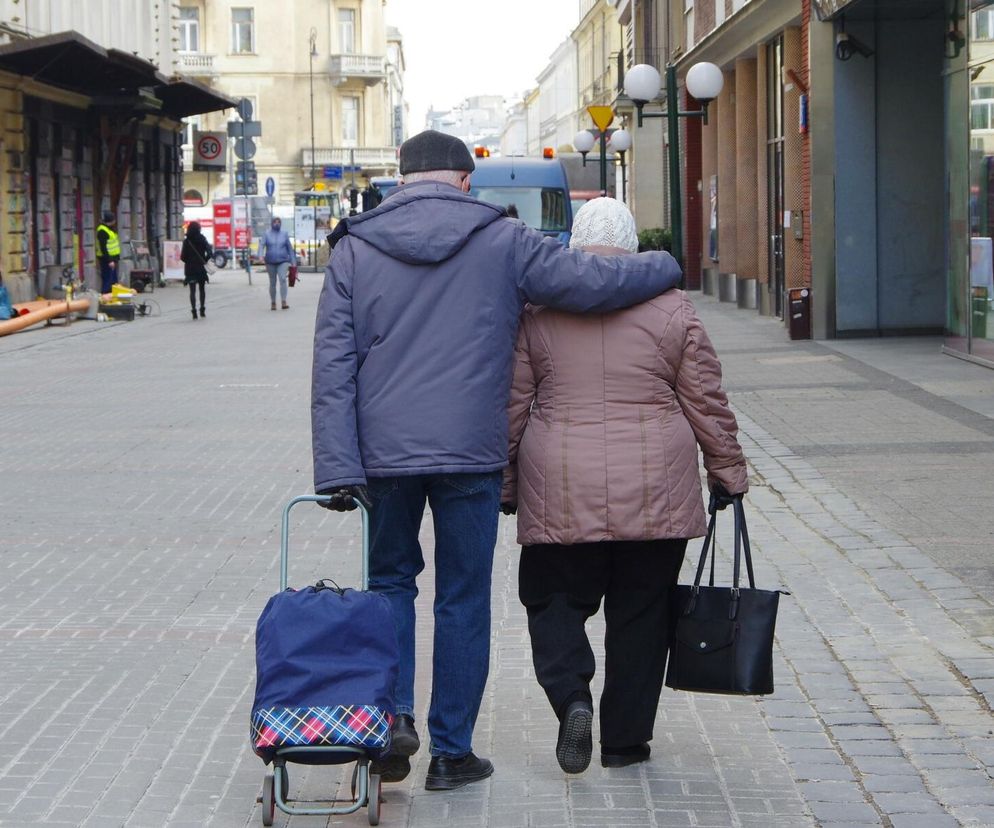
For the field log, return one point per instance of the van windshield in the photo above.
(543, 208)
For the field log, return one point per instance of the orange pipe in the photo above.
(39, 312)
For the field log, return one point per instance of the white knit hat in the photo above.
(604, 221)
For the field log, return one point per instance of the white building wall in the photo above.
(144, 27)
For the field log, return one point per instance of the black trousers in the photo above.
(193, 294)
(562, 586)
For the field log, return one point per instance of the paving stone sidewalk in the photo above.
(145, 467)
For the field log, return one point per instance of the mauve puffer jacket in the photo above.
(621, 401)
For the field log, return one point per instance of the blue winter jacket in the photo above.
(416, 326)
(278, 247)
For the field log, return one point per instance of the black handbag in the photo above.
(722, 639)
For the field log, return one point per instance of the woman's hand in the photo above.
(720, 498)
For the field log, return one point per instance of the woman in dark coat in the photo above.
(196, 253)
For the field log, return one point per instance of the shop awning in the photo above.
(885, 9)
(183, 96)
(70, 61)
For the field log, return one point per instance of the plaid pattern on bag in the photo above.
(360, 726)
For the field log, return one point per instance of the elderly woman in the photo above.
(606, 415)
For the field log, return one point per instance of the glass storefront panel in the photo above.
(969, 101)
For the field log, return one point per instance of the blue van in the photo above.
(535, 188)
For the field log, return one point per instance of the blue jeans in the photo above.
(464, 511)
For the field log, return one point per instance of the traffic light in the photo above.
(246, 178)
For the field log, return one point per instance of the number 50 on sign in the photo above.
(210, 150)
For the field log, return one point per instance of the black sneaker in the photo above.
(574, 746)
(404, 742)
(621, 757)
(446, 773)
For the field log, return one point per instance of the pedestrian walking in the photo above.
(278, 255)
(412, 361)
(195, 254)
(606, 413)
(108, 250)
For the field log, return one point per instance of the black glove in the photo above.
(508, 508)
(720, 498)
(343, 498)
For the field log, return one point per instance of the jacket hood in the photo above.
(424, 222)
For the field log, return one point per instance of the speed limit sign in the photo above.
(209, 150)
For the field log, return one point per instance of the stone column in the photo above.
(727, 206)
(746, 270)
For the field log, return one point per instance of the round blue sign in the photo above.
(270, 186)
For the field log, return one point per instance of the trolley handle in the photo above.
(285, 536)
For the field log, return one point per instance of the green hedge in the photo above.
(656, 238)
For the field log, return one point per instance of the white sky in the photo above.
(458, 48)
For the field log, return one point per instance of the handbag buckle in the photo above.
(733, 604)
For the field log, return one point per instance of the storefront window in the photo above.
(980, 285)
(969, 101)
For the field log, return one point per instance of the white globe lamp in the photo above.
(642, 83)
(583, 141)
(705, 81)
(621, 140)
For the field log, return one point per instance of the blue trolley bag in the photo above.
(326, 667)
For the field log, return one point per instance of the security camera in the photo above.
(846, 46)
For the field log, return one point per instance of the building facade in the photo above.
(557, 85)
(324, 77)
(92, 117)
(841, 180)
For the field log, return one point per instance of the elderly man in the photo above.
(412, 364)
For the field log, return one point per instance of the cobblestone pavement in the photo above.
(143, 471)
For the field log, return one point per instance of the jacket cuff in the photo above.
(327, 485)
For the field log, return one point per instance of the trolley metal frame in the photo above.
(276, 785)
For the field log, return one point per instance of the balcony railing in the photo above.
(366, 158)
(368, 68)
(197, 64)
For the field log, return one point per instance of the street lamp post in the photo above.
(313, 54)
(621, 142)
(704, 82)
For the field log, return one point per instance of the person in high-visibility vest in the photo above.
(108, 251)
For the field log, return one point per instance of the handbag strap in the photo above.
(199, 254)
(742, 548)
(709, 544)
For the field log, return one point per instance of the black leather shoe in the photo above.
(404, 736)
(574, 746)
(404, 742)
(446, 774)
(391, 768)
(621, 757)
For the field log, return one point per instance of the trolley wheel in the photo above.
(268, 799)
(373, 803)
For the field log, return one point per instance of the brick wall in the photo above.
(746, 184)
(704, 18)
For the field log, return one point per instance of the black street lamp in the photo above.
(704, 82)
